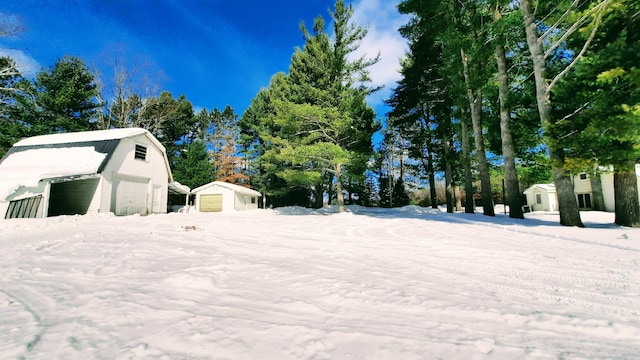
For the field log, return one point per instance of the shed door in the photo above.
(131, 196)
(211, 203)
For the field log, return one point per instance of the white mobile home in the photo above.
(123, 171)
(222, 196)
(592, 192)
(597, 192)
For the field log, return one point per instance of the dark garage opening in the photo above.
(71, 197)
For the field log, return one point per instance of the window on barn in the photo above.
(583, 176)
(141, 152)
(253, 200)
(24, 208)
(538, 198)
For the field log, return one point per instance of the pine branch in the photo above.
(576, 25)
(582, 51)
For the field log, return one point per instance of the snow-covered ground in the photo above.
(411, 283)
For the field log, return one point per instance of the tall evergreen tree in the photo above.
(324, 123)
(194, 167)
(514, 198)
(66, 97)
(542, 40)
(12, 128)
(598, 105)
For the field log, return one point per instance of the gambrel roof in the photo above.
(64, 155)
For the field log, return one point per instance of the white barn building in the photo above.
(222, 196)
(123, 171)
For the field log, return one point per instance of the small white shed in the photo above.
(222, 196)
(123, 171)
(542, 197)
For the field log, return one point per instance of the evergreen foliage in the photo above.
(315, 120)
(65, 97)
(194, 167)
(400, 196)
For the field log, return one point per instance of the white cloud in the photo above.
(27, 65)
(383, 21)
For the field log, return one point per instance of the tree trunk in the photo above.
(567, 205)
(514, 198)
(339, 195)
(475, 104)
(469, 205)
(432, 181)
(625, 187)
(448, 175)
(319, 194)
(329, 189)
(597, 196)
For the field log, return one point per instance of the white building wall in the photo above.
(228, 197)
(548, 199)
(124, 164)
(96, 201)
(581, 186)
(121, 163)
(243, 202)
(607, 192)
(105, 188)
(552, 202)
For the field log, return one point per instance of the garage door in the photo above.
(71, 197)
(131, 196)
(211, 203)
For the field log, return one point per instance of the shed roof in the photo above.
(237, 188)
(178, 189)
(545, 187)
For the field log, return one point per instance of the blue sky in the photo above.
(215, 52)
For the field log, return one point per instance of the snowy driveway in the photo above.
(295, 284)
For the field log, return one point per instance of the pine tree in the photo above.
(323, 124)
(400, 196)
(194, 167)
(66, 97)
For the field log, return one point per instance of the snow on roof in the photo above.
(545, 187)
(27, 168)
(97, 135)
(237, 188)
(82, 136)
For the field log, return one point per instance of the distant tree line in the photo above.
(67, 97)
(494, 96)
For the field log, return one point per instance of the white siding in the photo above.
(548, 199)
(130, 195)
(607, 192)
(227, 196)
(243, 202)
(581, 186)
(153, 169)
(230, 199)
